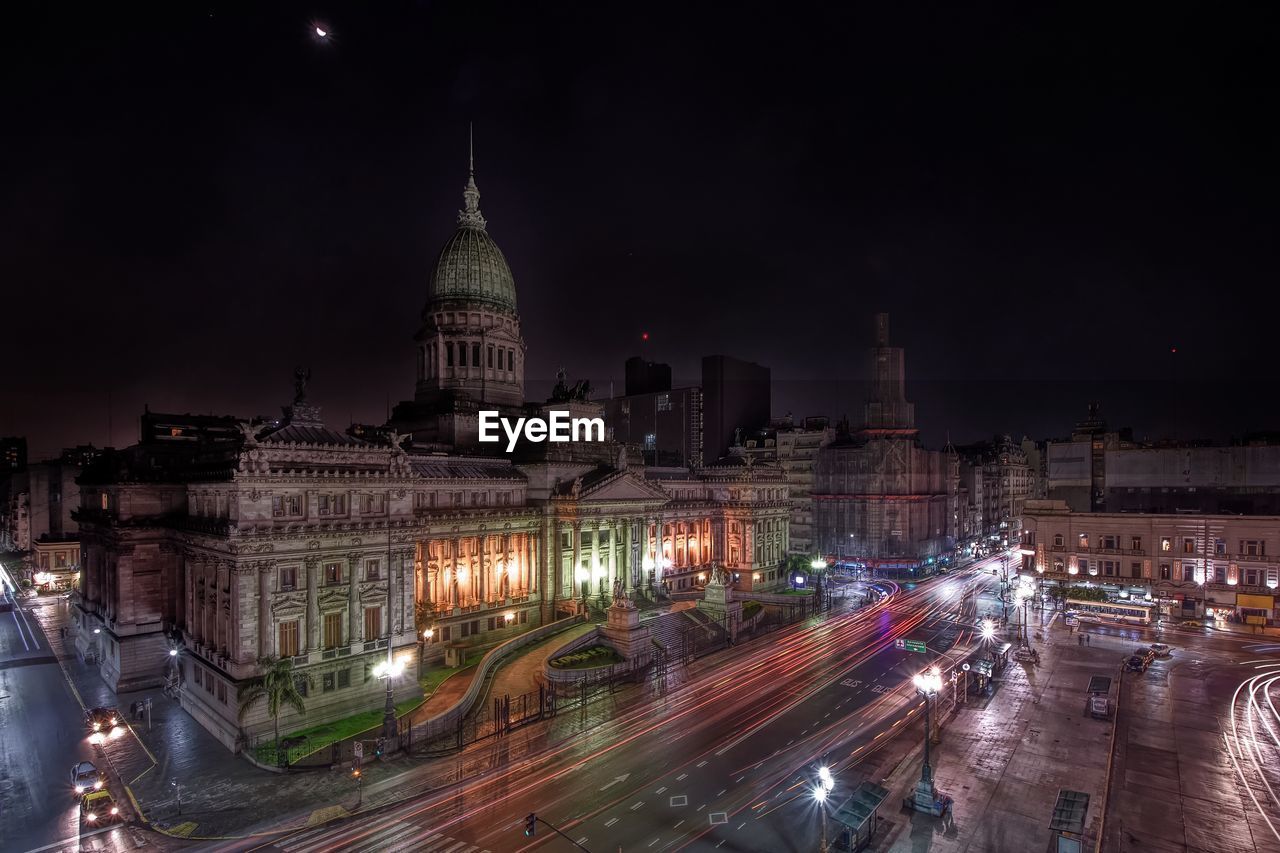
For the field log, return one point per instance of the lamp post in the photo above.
(422, 650)
(389, 669)
(927, 684)
(826, 782)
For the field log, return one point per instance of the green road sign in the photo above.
(915, 646)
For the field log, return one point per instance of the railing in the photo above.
(448, 721)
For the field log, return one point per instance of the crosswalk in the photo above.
(394, 837)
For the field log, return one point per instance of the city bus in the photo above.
(1111, 611)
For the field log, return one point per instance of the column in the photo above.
(612, 567)
(482, 571)
(266, 629)
(595, 557)
(313, 603)
(354, 622)
(452, 576)
(577, 560)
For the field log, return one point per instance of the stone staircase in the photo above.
(668, 630)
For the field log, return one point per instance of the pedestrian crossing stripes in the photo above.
(394, 837)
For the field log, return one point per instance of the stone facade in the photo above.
(795, 449)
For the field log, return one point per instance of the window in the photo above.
(370, 504)
(328, 682)
(490, 357)
(286, 505)
(1058, 565)
(332, 504)
(664, 402)
(466, 629)
(1135, 543)
(1220, 546)
(1219, 574)
(288, 577)
(446, 634)
(1188, 544)
(372, 623)
(511, 359)
(300, 683)
(208, 683)
(1189, 571)
(462, 355)
(1135, 570)
(1084, 540)
(222, 692)
(448, 355)
(1110, 542)
(332, 630)
(344, 678)
(288, 645)
(332, 573)
(371, 568)
(104, 500)
(60, 559)
(524, 617)
(1166, 544)
(1251, 577)
(491, 624)
(198, 673)
(1253, 547)
(475, 354)
(1166, 572)
(1109, 568)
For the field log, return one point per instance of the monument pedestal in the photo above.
(717, 602)
(624, 633)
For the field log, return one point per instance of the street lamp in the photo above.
(927, 684)
(390, 669)
(826, 783)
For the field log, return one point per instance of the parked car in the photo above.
(1161, 650)
(99, 808)
(1136, 663)
(1192, 623)
(86, 777)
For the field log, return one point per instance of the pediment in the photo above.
(623, 486)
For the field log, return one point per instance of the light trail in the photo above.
(1247, 709)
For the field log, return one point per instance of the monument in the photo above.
(717, 601)
(623, 631)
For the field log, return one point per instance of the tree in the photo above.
(278, 684)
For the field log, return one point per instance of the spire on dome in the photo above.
(469, 216)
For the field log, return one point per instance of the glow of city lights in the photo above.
(461, 574)
(321, 32)
(583, 575)
(389, 669)
(429, 633)
(173, 653)
(928, 682)
(817, 564)
(988, 629)
(824, 775)
(648, 563)
(820, 793)
(509, 617)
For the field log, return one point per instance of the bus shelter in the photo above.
(858, 816)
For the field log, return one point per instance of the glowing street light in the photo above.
(817, 564)
(826, 783)
(988, 629)
(927, 684)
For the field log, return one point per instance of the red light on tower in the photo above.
(644, 336)
(1173, 349)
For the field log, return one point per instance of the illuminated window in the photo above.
(1084, 540)
(1188, 544)
(332, 573)
(104, 500)
(1058, 540)
(332, 630)
(1135, 543)
(1166, 544)
(1166, 572)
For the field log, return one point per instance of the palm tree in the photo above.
(278, 684)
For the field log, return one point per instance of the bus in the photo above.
(1111, 611)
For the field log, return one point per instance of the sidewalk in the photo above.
(521, 675)
(1004, 759)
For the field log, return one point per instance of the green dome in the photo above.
(471, 267)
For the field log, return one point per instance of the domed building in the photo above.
(470, 353)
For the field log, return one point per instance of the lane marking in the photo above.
(682, 777)
(660, 790)
(611, 821)
(702, 763)
(637, 805)
(677, 826)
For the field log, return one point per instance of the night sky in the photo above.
(197, 198)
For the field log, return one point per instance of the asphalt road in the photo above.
(42, 738)
(727, 762)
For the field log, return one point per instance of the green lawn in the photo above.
(326, 733)
(797, 592)
(587, 658)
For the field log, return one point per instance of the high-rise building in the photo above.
(13, 454)
(735, 402)
(646, 377)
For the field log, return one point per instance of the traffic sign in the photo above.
(915, 646)
(899, 644)
(965, 667)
